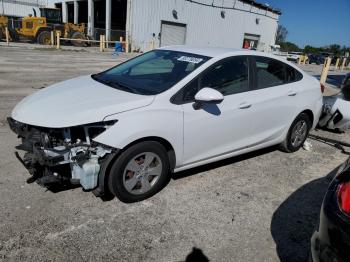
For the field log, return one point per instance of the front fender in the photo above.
(165, 123)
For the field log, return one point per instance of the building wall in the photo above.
(21, 8)
(205, 26)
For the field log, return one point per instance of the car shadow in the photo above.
(295, 220)
(225, 162)
(56, 188)
(196, 255)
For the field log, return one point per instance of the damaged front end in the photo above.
(64, 155)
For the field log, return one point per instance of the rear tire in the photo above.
(297, 134)
(139, 172)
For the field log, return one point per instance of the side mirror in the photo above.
(207, 95)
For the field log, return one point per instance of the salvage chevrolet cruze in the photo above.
(125, 130)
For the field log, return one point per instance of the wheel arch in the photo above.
(310, 114)
(102, 189)
(167, 145)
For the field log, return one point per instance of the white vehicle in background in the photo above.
(294, 56)
(127, 129)
(276, 50)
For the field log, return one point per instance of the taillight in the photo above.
(322, 88)
(344, 197)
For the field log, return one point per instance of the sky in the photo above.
(315, 22)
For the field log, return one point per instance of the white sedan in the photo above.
(123, 131)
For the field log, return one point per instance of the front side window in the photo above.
(229, 76)
(151, 73)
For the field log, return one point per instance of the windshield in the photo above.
(151, 73)
(52, 15)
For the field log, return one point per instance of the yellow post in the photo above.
(52, 39)
(58, 41)
(7, 35)
(101, 43)
(343, 64)
(299, 60)
(127, 46)
(337, 64)
(304, 59)
(104, 43)
(325, 70)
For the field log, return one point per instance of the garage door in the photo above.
(173, 34)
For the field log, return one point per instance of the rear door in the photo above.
(275, 99)
(172, 34)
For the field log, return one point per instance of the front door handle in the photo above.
(292, 93)
(244, 105)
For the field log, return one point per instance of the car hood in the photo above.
(78, 101)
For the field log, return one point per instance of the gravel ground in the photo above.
(261, 206)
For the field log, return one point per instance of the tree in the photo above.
(289, 47)
(308, 49)
(281, 34)
(335, 49)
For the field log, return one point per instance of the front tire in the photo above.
(139, 172)
(297, 134)
(78, 35)
(44, 38)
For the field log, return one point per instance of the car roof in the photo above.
(222, 52)
(205, 51)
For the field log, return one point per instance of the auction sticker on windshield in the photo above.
(190, 59)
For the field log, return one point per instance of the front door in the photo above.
(216, 129)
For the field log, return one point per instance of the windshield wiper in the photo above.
(114, 84)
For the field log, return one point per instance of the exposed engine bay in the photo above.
(59, 155)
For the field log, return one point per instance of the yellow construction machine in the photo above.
(38, 29)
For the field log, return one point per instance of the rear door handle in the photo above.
(244, 105)
(292, 93)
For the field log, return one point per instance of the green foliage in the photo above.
(289, 47)
(334, 49)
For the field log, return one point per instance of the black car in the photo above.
(317, 59)
(332, 240)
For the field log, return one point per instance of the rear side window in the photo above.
(271, 72)
(292, 75)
